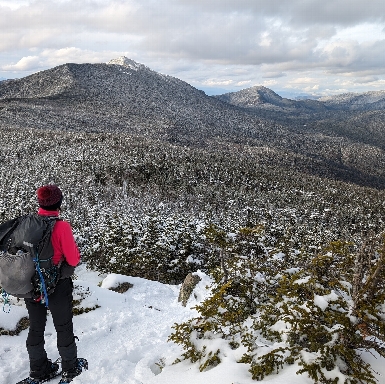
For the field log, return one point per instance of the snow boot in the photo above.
(53, 372)
(68, 376)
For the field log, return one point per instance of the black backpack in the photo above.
(26, 268)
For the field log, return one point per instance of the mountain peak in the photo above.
(126, 62)
(253, 97)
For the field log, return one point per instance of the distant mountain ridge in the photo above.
(260, 97)
(356, 101)
(122, 96)
(254, 96)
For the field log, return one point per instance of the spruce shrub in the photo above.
(318, 311)
(160, 248)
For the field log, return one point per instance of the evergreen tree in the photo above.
(292, 307)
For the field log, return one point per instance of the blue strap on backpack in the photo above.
(5, 297)
(43, 287)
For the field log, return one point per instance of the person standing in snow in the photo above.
(66, 254)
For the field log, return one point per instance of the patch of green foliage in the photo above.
(22, 324)
(123, 287)
(78, 310)
(163, 250)
(78, 306)
(318, 311)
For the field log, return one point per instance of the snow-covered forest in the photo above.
(150, 197)
(281, 247)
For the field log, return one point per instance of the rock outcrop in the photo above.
(187, 288)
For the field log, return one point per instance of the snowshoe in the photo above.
(54, 372)
(68, 376)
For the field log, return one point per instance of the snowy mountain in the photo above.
(126, 97)
(356, 101)
(126, 62)
(122, 96)
(251, 97)
(261, 98)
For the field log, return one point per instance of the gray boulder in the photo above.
(187, 288)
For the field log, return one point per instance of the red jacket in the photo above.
(63, 242)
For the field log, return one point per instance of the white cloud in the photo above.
(216, 83)
(271, 74)
(361, 33)
(270, 83)
(312, 89)
(265, 40)
(13, 4)
(229, 43)
(25, 64)
(243, 84)
(303, 80)
(52, 57)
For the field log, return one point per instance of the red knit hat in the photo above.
(49, 197)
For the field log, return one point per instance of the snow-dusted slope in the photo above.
(48, 83)
(254, 96)
(125, 340)
(121, 96)
(356, 101)
(262, 98)
(259, 97)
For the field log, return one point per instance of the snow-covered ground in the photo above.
(125, 340)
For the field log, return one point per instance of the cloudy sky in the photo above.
(291, 46)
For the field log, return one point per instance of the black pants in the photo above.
(60, 306)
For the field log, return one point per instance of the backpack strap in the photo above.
(51, 221)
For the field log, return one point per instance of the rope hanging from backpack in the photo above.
(43, 287)
(5, 297)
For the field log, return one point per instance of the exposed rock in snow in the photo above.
(126, 62)
(187, 288)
